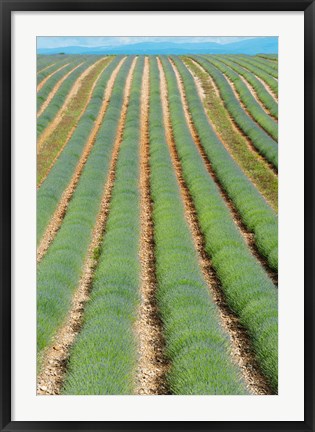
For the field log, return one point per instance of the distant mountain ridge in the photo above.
(260, 45)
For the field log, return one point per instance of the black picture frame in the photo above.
(9, 6)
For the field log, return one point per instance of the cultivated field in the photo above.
(157, 227)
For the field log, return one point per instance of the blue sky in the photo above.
(57, 41)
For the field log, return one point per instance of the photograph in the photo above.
(157, 215)
(157, 190)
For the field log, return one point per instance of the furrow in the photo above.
(50, 192)
(43, 82)
(255, 95)
(47, 67)
(58, 63)
(197, 345)
(241, 348)
(55, 357)
(243, 95)
(248, 236)
(267, 88)
(270, 69)
(49, 130)
(271, 57)
(268, 81)
(236, 126)
(256, 214)
(55, 89)
(261, 140)
(77, 85)
(273, 135)
(248, 289)
(104, 358)
(59, 117)
(260, 172)
(60, 211)
(152, 364)
(260, 90)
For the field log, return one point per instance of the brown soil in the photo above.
(61, 210)
(70, 133)
(55, 89)
(234, 125)
(152, 364)
(268, 89)
(255, 95)
(45, 68)
(241, 349)
(43, 82)
(248, 236)
(198, 81)
(207, 106)
(54, 364)
(77, 85)
(244, 107)
(55, 122)
(200, 89)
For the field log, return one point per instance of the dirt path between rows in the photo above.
(45, 68)
(268, 89)
(234, 125)
(77, 85)
(54, 365)
(241, 350)
(256, 97)
(248, 236)
(244, 107)
(152, 364)
(74, 90)
(55, 89)
(43, 82)
(61, 210)
(70, 133)
(207, 106)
